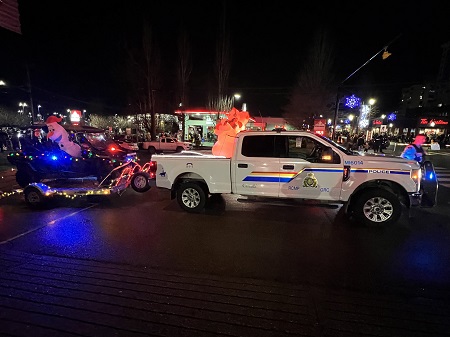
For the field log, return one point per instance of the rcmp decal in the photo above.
(310, 181)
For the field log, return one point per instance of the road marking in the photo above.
(47, 224)
(443, 176)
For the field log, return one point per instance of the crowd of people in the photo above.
(380, 142)
(359, 142)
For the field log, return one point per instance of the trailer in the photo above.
(132, 174)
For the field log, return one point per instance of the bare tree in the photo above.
(143, 73)
(221, 102)
(184, 70)
(101, 122)
(9, 117)
(313, 94)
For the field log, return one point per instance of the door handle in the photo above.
(288, 167)
(242, 165)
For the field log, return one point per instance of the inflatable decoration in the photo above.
(227, 129)
(60, 136)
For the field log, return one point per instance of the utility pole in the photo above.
(29, 94)
(385, 55)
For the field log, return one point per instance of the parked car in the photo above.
(126, 142)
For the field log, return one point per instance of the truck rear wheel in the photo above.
(191, 197)
(377, 207)
(151, 150)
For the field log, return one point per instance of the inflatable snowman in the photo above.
(60, 136)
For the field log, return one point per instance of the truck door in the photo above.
(256, 167)
(310, 169)
(170, 144)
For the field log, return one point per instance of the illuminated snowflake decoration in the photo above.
(364, 115)
(352, 101)
(392, 117)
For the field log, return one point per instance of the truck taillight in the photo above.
(150, 168)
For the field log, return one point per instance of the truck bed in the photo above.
(215, 170)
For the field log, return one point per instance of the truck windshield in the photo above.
(340, 147)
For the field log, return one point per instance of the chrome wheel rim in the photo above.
(140, 182)
(378, 209)
(190, 197)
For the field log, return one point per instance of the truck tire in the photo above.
(179, 149)
(139, 182)
(191, 197)
(33, 196)
(377, 207)
(151, 150)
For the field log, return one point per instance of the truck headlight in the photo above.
(416, 176)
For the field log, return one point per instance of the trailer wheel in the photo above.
(33, 196)
(139, 182)
(377, 207)
(191, 197)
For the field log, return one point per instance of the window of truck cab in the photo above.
(284, 146)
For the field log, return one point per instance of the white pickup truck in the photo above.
(297, 164)
(166, 144)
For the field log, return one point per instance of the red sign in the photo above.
(432, 122)
(75, 116)
(377, 122)
(319, 126)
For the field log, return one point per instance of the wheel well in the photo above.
(388, 185)
(188, 177)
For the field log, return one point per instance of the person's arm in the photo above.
(409, 152)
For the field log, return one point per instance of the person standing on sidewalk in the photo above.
(3, 140)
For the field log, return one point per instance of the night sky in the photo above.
(75, 50)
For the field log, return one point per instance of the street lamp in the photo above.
(2, 83)
(22, 105)
(39, 116)
(236, 97)
(385, 55)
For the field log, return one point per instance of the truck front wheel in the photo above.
(377, 207)
(191, 197)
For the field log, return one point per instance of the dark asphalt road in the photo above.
(136, 265)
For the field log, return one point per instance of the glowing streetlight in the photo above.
(2, 82)
(22, 105)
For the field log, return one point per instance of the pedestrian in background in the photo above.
(3, 140)
(415, 151)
